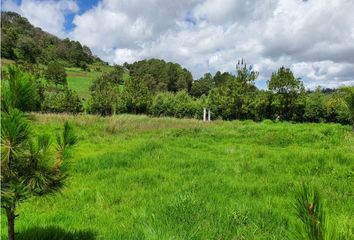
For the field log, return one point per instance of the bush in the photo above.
(60, 101)
(337, 109)
(180, 105)
(315, 107)
(56, 74)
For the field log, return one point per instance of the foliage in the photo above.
(315, 106)
(337, 109)
(56, 74)
(18, 90)
(21, 41)
(202, 86)
(288, 92)
(25, 168)
(160, 75)
(232, 100)
(105, 94)
(136, 96)
(180, 105)
(61, 100)
(347, 93)
(313, 222)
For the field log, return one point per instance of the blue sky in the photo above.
(84, 5)
(314, 38)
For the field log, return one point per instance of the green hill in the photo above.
(21, 41)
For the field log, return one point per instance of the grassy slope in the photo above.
(134, 177)
(81, 81)
(78, 80)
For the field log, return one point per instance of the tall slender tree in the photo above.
(25, 168)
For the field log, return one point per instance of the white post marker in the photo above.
(204, 114)
(209, 114)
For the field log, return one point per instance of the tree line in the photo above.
(160, 88)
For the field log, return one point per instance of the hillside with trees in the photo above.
(21, 41)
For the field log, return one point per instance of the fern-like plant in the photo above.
(312, 220)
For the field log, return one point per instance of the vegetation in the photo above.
(25, 169)
(313, 221)
(56, 74)
(21, 41)
(135, 177)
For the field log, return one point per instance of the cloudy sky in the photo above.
(315, 38)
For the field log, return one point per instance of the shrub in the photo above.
(60, 101)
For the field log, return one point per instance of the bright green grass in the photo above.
(134, 177)
(80, 80)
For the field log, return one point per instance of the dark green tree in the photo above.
(347, 94)
(105, 94)
(56, 74)
(202, 86)
(136, 96)
(315, 106)
(287, 89)
(233, 99)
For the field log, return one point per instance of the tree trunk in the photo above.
(10, 223)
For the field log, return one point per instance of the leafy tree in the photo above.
(202, 86)
(56, 74)
(348, 95)
(179, 105)
(105, 94)
(160, 75)
(233, 99)
(337, 109)
(260, 106)
(287, 90)
(27, 50)
(315, 106)
(221, 78)
(162, 104)
(60, 101)
(136, 96)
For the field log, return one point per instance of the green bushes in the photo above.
(59, 101)
(180, 105)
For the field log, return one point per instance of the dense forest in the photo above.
(21, 41)
(156, 87)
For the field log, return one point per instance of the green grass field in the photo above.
(135, 177)
(80, 80)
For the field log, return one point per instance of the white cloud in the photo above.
(48, 15)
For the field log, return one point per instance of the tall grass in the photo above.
(135, 177)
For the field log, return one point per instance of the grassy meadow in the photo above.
(80, 80)
(135, 177)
